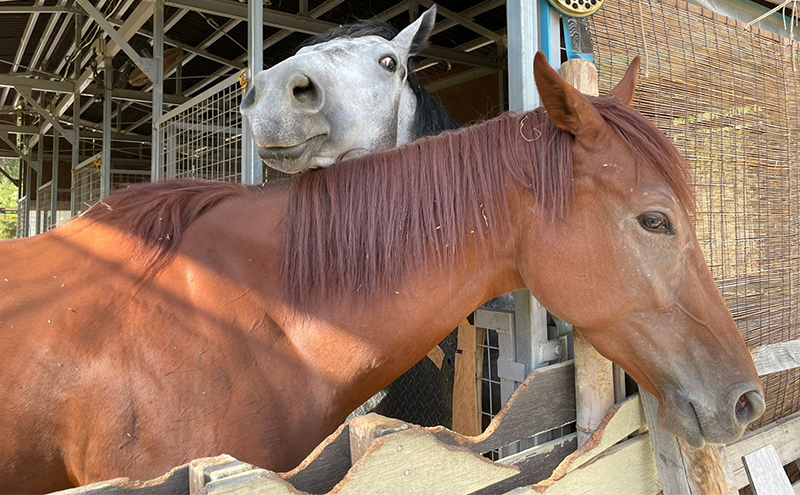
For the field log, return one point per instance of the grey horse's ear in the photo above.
(415, 37)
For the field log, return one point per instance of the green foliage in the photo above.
(8, 198)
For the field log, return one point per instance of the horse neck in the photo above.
(387, 335)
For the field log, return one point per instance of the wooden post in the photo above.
(684, 470)
(594, 376)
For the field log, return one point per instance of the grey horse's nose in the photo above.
(304, 92)
(283, 87)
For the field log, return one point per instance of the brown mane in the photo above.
(351, 228)
(158, 213)
(355, 228)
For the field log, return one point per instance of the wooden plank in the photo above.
(202, 471)
(466, 412)
(253, 482)
(594, 386)
(535, 464)
(175, 482)
(325, 466)
(628, 468)
(365, 429)
(765, 472)
(413, 461)
(546, 400)
(783, 434)
(436, 355)
(683, 469)
(780, 356)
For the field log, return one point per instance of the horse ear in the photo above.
(570, 110)
(627, 85)
(415, 36)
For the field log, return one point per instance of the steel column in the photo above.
(39, 174)
(157, 143)
(252, 169)
(54, 179)
(523, 42)
(105, 167)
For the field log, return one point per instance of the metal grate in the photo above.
(122, 178)
(488, 347)
(44, 217)
(22, 215)
(203, 138)
(728, 96)
(86, 187)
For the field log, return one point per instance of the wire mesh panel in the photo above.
(44, 211)
(123, 178)
(22, 215)
(727, 95)
(203, 138)
(86, 187)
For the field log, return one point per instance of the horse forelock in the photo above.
(355, 229)
(156, 215)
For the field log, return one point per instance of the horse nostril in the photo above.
(303, 90)
(249, 98)
(749, 406)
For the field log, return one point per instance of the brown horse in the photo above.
(186, 319)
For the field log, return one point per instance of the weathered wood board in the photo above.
(628, 468)
(546, 400)
(176, 482)
(765, 472)
(684, 470)
(325, 466)
(784, 435)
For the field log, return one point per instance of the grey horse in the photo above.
(350, 90)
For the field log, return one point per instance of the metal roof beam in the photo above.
(14, 129)
(312, 26)
(466, 22)
(236, 10)
(22, 156)
(135, 20)
(23, 46)
(10, 80)
(38, 9)
(26, 93)
(144, 63)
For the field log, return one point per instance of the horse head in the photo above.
(624, 266)
(352, 89)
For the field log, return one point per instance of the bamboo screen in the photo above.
(728, 97)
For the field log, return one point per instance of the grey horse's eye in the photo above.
(389, 63)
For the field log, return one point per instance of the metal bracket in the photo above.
(511, 370)
(553, 350)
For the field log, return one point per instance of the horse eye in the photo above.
(655, 222)
(389, 63)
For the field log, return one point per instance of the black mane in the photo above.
(430, 116)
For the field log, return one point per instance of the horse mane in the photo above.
(355, 229)
(431, 118)
(158, 213)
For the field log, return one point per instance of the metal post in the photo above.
(54, 180)
(76, 118)
(252, 169)
(40, 149)
(26, 230)
(157, 159)
(523, 42)
(105, 167)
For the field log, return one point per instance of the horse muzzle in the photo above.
(294, 158)
(700, 420)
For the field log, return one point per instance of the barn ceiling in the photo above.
(38, 51)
